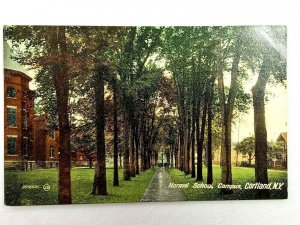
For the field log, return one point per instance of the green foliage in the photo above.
(246, 146)
(275, 150)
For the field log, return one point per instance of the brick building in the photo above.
(27, 141)
(18, 117)
(45, 143)
(84, 158)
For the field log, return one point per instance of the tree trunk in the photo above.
(90, 163)
(227, 110)
(199, 156)
(143, 140)
(176, 154)
(120, 159)
(115, 112)
(193, 127)
(168, 156)
(180, 143)
(61, 84)
(100, 186)
(193, 172)
(182, 146)
(209, 137)
(137, 144)
(147, 157)
(250, 158)
(188, 146)
(126, 175)
(147, 154)
(260, 131)
(143, 152)
(132, 149)
(172, 156)
(226, 155)
(200, 141)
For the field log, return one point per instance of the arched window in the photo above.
(11, 92)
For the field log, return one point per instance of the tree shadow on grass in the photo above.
(24, 188)
(13, 191)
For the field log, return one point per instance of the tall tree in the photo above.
(61, 84)
(101, 45)
(227, 103)
(46, 49)
(115, 112)
(270, 43)
(100, 184)
(200, 140)
(209, 134)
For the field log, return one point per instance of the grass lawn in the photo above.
(240, 175)
(26, 188)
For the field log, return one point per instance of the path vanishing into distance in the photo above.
(158, 189)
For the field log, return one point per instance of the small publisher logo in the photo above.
(26, 186)
(46, 187)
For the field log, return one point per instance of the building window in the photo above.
(24, 118)
(12, 145)
(11, 92)
(51, 152)
(52, 134)
(25, 146)
(12, 116)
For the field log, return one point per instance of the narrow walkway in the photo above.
(158, 189)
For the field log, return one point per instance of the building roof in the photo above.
(10, 64)
(17, 73)
(282, 137)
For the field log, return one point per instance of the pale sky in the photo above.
(11, 64)
(275, 111)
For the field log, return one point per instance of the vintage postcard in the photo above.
(108, 114)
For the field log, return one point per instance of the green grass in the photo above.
(240, 175)
(82, 182)
(128, 191)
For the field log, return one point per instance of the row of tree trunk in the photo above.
(192, 135)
